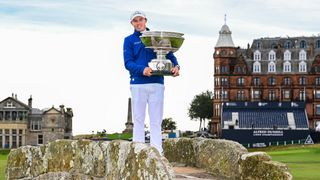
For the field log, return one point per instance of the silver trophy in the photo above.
(162, 43)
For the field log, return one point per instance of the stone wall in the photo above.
(223, 158)
(85, 159)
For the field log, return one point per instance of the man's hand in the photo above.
(175, 71)
(147, 71)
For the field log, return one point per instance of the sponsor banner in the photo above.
(254, 136)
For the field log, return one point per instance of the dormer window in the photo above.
(271, 67)
(287, 55)
(257, 55)
(256, 67)
(272, 55)
(303, 44)
(302, 66)
(318, 44)
(302, 55)
(287, 45)
(287, 67)
(258, 45)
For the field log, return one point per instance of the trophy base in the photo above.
(161, 67)
(161, 73)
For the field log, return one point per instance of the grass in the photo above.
(302, 160)
(3, 162)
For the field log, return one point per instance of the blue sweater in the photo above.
(136, 58)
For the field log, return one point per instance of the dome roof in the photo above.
(225, 39)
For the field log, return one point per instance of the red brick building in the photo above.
(278, 69)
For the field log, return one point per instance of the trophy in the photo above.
(162, 43)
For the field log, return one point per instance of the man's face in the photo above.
(139, 23)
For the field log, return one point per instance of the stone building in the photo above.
(21, 124)
(276, 69)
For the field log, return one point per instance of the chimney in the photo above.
(30, 102)
(62, 108)
(16, 97)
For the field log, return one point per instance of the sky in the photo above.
(70, 52)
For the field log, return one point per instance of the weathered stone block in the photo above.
(85, 159)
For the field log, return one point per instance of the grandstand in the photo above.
(264, 122)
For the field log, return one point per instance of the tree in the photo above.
(201, 107)
(168, 124)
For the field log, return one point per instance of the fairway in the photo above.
(302, 160)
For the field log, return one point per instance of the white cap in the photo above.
(136, 14)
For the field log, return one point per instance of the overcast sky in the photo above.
(70, 52)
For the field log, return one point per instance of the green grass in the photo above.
(119, 136)
(302, 160)
(3, 162)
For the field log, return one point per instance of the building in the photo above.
(21, 124)
(277, 70)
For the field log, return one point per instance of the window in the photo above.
(217, 94)
(216, 81)
(20, 137)
(286, 94)
(317, 81)
(287, 55)
(239, 69)
(286, 66)
(224, 81)
(273, 45)
(318, 94)
(287, 81)
(14, 138)
(302, 55)
(272, 55)
(318, 44)
(14, 115)
(256, 94)
(6, 139)
(257, 56)
(9, 104)
(302, 81)
(7, 115)
(1, 139)
(318, 109)
(224, 95)
(217, 110)
(240, 95)
(271, 67)
(258, 45)
(36, 125)
(224, 69)
(20, 115)
(302, 66)
(1, 115)
(302, 95)
(240, 81)
(256, 67)
(256, 81)
(40, 139)
(303, 44)
(272, 81)
(287, 45)
(272, 96)
(217, 70)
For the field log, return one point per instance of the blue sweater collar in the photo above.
(138, 33)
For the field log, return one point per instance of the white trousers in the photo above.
(151, 95)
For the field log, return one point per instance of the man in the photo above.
(145, 88)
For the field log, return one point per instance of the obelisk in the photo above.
(129, 123)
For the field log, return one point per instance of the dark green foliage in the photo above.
(201, 107)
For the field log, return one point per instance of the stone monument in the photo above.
(129, 123)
